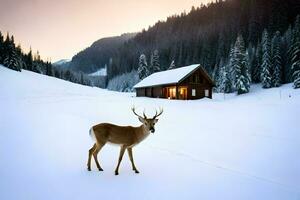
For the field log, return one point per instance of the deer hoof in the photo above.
(89, 169)
(136, 171)
(116, 173)
(100, 169)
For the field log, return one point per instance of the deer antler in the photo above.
(133, 110)
(160, 112)
(144, 114)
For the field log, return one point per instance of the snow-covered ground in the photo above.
(232, 147)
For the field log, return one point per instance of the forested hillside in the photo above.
(98, 54)
(207, 35)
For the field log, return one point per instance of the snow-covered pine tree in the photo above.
(11, 59)
(172, 65)
(241, 67)
(286, 55)
(296, 54)
(231, 64)
(155, 65)
(248, 72)
(219, 78)
(224, 82)
(226, 85)
(143, 71)
(266, 78)
(277, 60)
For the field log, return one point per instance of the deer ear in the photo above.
(141, 119)
(156, 120)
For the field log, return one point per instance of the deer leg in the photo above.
(90, 157)
(95, 155)
(129, 151)
(122, 150)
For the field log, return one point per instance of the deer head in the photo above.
(148, 123)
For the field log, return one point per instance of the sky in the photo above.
(61, 28)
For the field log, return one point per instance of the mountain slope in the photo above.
(64, 63)
(243, 147)
(98, 54)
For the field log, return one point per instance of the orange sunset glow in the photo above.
(61, 28)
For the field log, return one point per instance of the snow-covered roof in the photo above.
(167, 77)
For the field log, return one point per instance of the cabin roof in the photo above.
(172, 76)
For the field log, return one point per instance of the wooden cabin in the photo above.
(190, 82)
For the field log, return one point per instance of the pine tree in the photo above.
(266, 61)
(29, 61)
(286, 55)
(296, 54)
(143, 71)
(231, 64)
(49, 70)
(219, 78)
(11, 59)
(251, 57)
(256, 71)
(37, 65)
(82, 82)
(224, 79)
(21, 57)
(226, 86)
(277, 61)
(241, 67)
(155, 65)
(172, 65)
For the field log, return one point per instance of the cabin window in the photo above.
(193, 92)
(206, 93)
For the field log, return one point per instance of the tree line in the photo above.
(13, 57)
(272, 62)
(207, 35)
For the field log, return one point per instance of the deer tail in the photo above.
(91, 133)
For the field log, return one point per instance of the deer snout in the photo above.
(152, 129)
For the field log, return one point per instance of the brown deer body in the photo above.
(125, 136)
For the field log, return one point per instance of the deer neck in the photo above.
(142, 133)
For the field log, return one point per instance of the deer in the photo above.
(126, 137)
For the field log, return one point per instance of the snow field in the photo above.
(240, 147)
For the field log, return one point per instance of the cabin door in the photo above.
(170, 92)
(183, 93)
